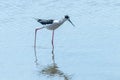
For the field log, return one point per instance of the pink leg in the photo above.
(36, 35)
(53, 40)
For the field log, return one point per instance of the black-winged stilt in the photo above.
(51, 24)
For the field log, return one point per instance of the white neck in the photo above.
(62, 20)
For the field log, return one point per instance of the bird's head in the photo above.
(68, 18)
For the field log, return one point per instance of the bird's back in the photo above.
(44, 21)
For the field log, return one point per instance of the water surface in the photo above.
(89, 51)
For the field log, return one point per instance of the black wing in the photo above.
(44, 21)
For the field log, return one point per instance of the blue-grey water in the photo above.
(89, 51)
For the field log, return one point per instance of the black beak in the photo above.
(71, 22)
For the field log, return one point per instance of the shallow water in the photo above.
(89, 51)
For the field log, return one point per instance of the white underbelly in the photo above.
(53, 26)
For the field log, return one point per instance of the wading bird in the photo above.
(51, 24)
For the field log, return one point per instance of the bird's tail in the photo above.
(37, 19)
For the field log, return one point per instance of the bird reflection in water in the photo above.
(52, 70)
